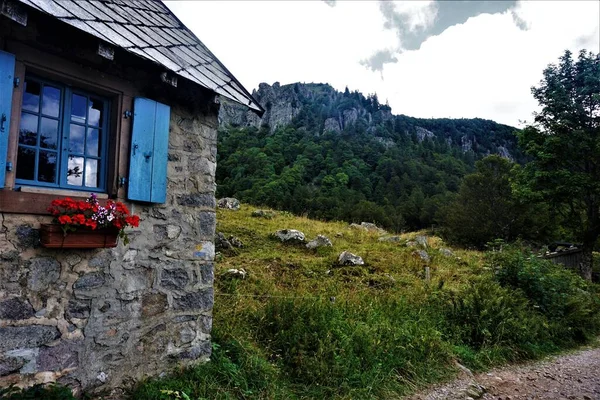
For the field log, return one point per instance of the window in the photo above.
(62, 137)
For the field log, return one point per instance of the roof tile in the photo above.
(148, 29)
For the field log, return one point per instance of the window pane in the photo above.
(95, 112)
(51, 101)
(76, 139)
(25, 163)
(31, 96)
(92, 142)
(28, 129)
(47, 167)
(49, 133)
(78, 107)
(75, 171)
(91, 172)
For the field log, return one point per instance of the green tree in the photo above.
(564, 145)
(486, 208)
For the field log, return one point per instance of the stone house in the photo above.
(120, 99)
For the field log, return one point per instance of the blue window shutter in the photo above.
(149, 147)
(7, 75)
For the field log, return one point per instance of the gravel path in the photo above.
(573, 376)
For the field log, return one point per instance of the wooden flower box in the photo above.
(52, 236)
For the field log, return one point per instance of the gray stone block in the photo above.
(16, 337)
(207, 274)
(153, 304)
(207, 222)
(9, 365)
(176, 278)
(27, 236)
(197, 200)
(203, 349)
(43, 272)
(90, 281)
(16, 308)
(201, 300)
(78, 308)
(62, 356)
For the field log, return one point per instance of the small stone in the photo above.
(390, 239)
(198, 301)
(153, 304)
(9, 365)
(197, 200)
(102, 376)
(236, 273)
(446, 252)
(267, 214)
(221, 243)
(187, 334)
(229, 203)
(43, 272)
(17, 337)
(78, 308)
(15, 309)
(411, 243)
(62, 356)
(202, 350)
(176, 278)
(173, 231)
(290, 235)
(319, 241)
(235, 242)
(90, 281)
(422, 255)
(27, 236)
(347, 258)
(422, 241)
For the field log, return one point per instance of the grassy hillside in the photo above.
(299, 326)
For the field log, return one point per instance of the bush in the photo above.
(569, 302)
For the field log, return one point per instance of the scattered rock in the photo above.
(235, 242)
(446, 252)
(10, 364)
(475, 390)
(347, 258)
(369, 227)
(229, 203)
(267, 214)
(319, 241)
(339, 235)
(236, 273)
(290, 235)
(43, 272)
(422, 241)
(411, 243)
(221, 243)
(176, 278)
(422, 254)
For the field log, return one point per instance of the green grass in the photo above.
(301, 327)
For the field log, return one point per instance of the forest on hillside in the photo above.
(395, 171)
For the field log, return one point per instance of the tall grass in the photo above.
(300, 327)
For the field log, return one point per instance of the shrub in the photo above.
(570, 303)
(37, 392)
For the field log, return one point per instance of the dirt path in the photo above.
(573, 376)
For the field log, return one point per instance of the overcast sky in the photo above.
(426, 58)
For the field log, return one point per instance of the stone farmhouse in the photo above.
(120, 99)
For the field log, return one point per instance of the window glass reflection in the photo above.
(28, 129)
(92, 142)
(47, 167)
(51, 101)
(91, 173)
(75, 171)
(78, 108)
(25, 163)
(95, 112)
(31, 96)
(76, 138)
(48, 133)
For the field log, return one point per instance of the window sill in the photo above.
(28, 202)
(60, 192)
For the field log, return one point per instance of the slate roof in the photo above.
(149, 29)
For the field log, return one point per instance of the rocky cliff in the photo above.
(319, 108)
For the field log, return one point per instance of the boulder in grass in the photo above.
(267, 214)
(446, 252)
(347, 258)
(290, 236)
(422, 255)
(236, 273)
(229, 203)
(319, 241)
(422, 241)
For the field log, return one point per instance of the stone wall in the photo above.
(96, 319)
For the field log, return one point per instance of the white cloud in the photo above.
(482, 68)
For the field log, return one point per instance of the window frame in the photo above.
(64, 121)
(119, 91)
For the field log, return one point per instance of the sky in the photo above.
(426, 58)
